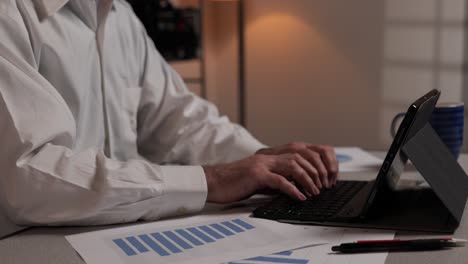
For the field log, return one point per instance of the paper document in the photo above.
(224, 236)
(352, 235)
(355, 159)
(322, 254)
(191, 240)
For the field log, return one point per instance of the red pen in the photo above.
(399, 245)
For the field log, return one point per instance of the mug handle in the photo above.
(394, 122)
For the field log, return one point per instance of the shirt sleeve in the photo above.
(177, 126)
(45, 182)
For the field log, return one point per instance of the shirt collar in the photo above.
(47, 8)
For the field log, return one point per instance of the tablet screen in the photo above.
(416, 117)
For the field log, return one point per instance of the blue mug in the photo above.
(448, 121)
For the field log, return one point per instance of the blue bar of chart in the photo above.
(161, 239)
(211, 232)
(200, 234)
(342, 158)
(243, 224)
(170, 242)
(189, 237)
(280, 257)
(177, 239)
(233, 227)
(137, 244)
(222, 229)
(284, 253)
(126, 248)
(153, 245)
(271, 259)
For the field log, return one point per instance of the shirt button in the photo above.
(133, 123)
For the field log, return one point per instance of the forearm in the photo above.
(55, 187)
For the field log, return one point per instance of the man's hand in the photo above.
(273, 168)
(322, 158)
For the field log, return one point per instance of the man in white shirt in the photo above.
(91, 117)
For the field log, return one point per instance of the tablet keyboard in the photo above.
(327, 204)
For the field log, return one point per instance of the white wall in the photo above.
(313, 71)
(423, 47)
(337, 71)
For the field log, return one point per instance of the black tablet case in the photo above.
(438, 209)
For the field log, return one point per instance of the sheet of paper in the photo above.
(352, 159)
(203, 239)
(351, 235)
(322, 254)
(292, 243)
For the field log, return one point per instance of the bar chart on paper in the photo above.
(177, 241)
(214, 241)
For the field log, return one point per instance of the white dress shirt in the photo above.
(91, 115)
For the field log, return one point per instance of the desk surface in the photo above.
(48, 245)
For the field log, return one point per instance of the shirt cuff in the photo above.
(185, 190)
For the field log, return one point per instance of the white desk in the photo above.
(48, 245)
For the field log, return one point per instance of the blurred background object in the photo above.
(174, 26)
(331, 71)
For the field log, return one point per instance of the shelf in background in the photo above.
(188, 69)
